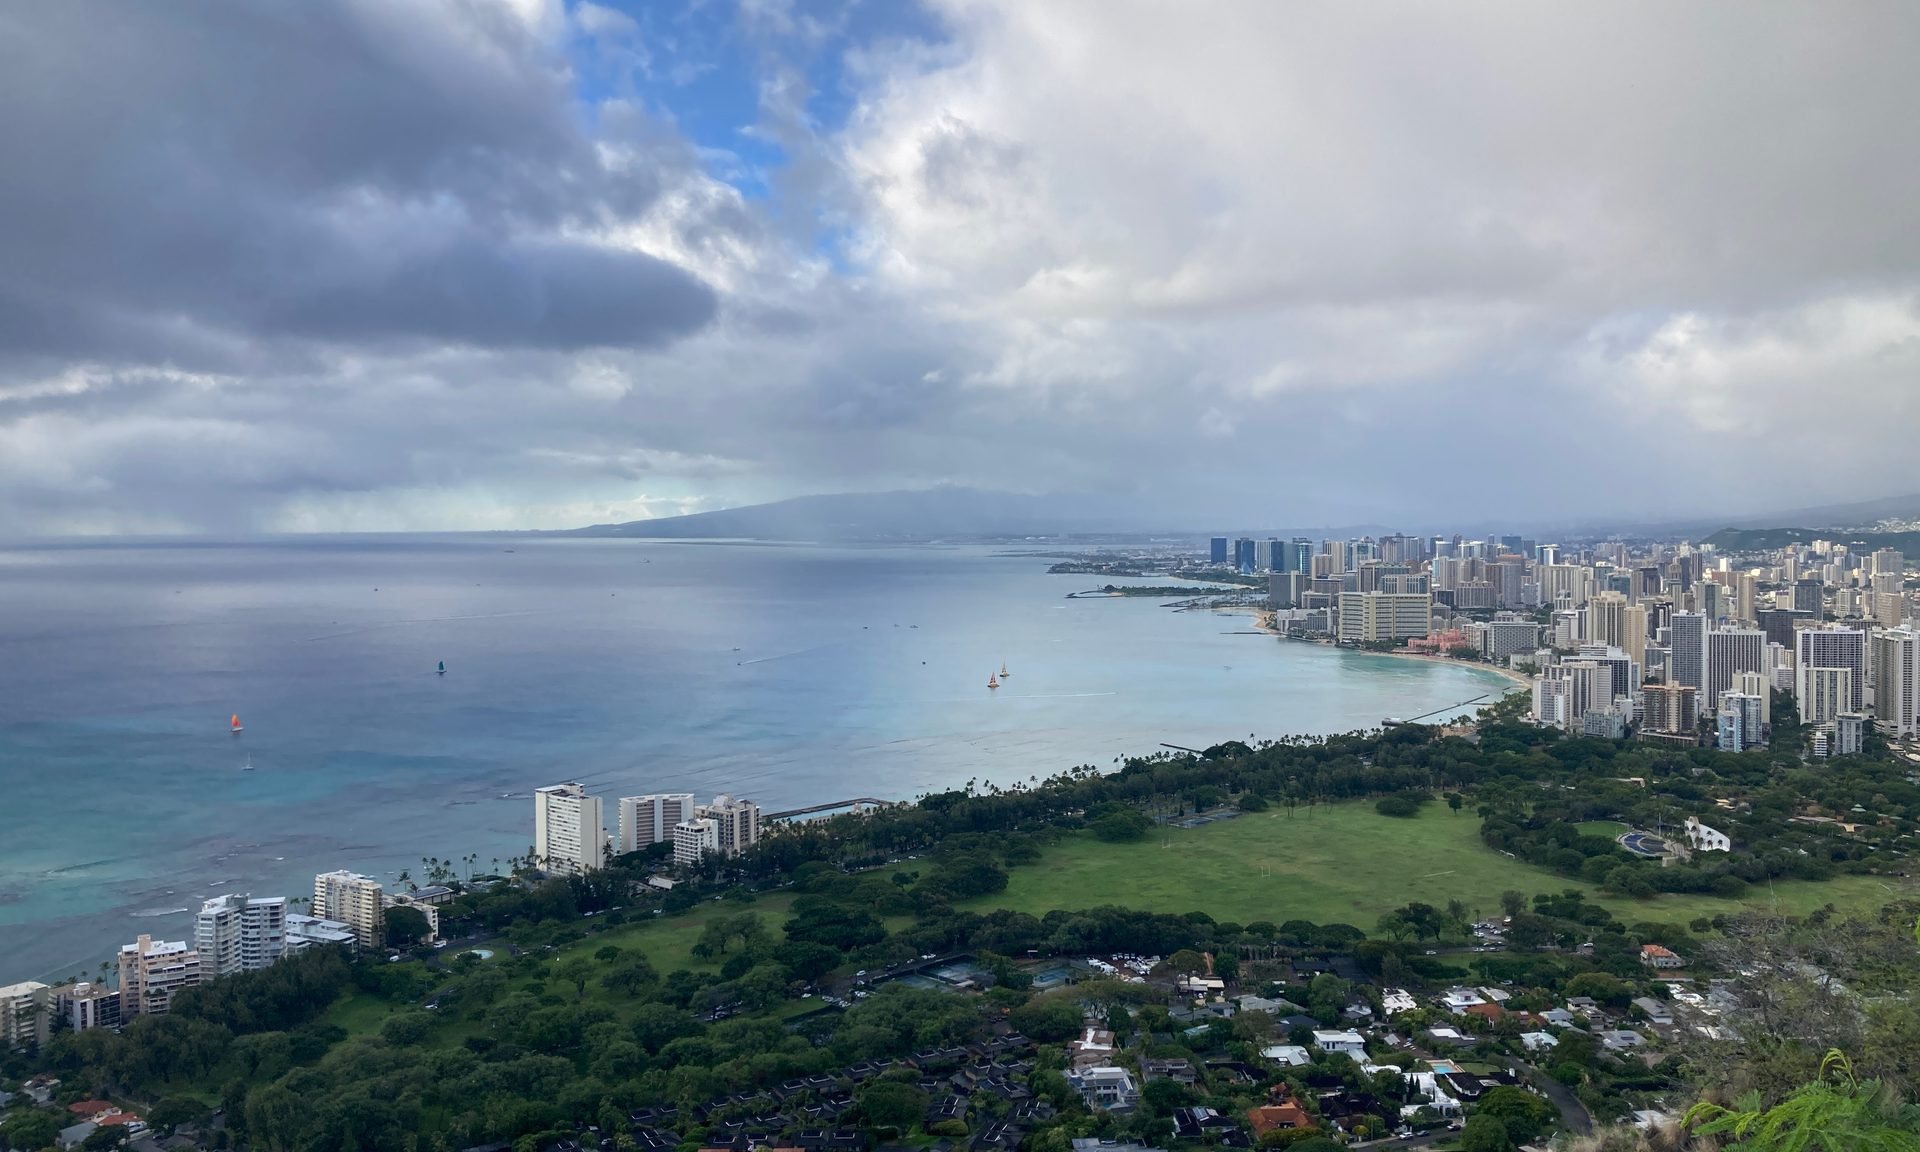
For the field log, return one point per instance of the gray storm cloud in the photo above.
(384, 264)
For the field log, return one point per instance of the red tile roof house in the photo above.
(1488, 1012)
(1654, 956)
(92, 1109)
(1285, 1114)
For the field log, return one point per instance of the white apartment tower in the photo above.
(151, 971)
(1687, 652)
(353, 900)
(1833, 647)
(568, 834)
(1823, 694)
(236, 933)
(1896, 681)
(646, 820)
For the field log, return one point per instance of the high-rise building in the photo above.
(1808, 596)
(1849, 734)
(25, 1016)
(1833, 646)
(1302, 555)
(1746, 597)
(568, 833)
(736, 823)
(1504, 639)
(1823, 693)
(1607, 620)
(1781, 623)
(236, 933)
(1752, 714)
(1731, 651)
(1217, 550)
(1889, 608)
(1669, 707)
(151, 971)
(1284, 589)
(354, 900)
(1372, 617)
(1687, 651)
(647, 820)
(1728, 736)
(1896, 681)
(1244, 554)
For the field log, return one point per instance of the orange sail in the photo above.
(236, 722)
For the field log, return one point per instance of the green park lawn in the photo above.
(1342, 863)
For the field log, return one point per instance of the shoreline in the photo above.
(1264, 621)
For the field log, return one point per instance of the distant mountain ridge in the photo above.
(926, 514)
(941, 513)
(1767, 539)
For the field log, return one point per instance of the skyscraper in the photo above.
(1687, 651)
(1835, 647)
(1217, 552)
(1896, 681)
(568, 833)
(1731, 651)
(647, 820)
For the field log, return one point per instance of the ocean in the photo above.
(790, 674)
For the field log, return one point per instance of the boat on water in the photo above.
(233, 725)
(248, 766)
(443, 668)
(1003, 670)
(992, 680)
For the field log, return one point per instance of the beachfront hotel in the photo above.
(648, 820)
(568, 833)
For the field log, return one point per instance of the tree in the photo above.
(1525, 1116)
(891, 1104)
(1513, 902)
(1048, 1019)
(30, 1128)
(101, 1139)
(406, 926)
(1123, 824)
(575, 970)
(169, 1112)
(1484, 1134)
(1833, 1112)
(1455, 801)
(629, 974)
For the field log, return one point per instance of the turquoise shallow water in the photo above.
(791, 674)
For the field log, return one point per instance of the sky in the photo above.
(369, 265)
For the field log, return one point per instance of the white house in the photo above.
(1292, 1055)
(1622, 1039)
(1106, 1087)
(1398, 1000)
(1458, 1000)
(1343, 1042)
(1538, 1041)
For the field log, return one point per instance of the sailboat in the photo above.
(248, 766)
(234, 725)
(443, 667)
(992, 680)
(1003, 670)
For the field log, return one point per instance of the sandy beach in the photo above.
(1264, 621)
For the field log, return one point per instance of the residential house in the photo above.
(1292, 1055)
(1346, 1043)
(1282, 1114)
(1178, 1071)
(1458, 1000)
(1107, 1088)
(1092, 1049)
(1655, 956)
(1623, 1039)
(1655, 1012)
(1398, 1000)
(1538, 1041)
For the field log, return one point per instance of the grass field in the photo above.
(1343, 863)
(1607, 828)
